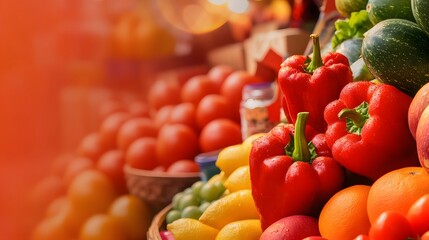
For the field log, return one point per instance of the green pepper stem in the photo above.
(301, 150)
(355, 118)
(316, 60)
(353, 115)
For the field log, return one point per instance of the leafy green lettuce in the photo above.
(353, 27)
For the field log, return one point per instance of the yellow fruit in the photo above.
(249, 229)
(233, 207)
(218, 177)
(230, 158)
(248, 143)
(191, 229)
(238, 180)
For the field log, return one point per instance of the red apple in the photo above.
(422, 139)
(419, 103)
(294, 227)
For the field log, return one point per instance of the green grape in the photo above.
(176, 199)
(188, 200)
(210, 192)
(191, 212)
(220, 186)
(172, 216)
(187, 190)
(204, 206)
(196, 187)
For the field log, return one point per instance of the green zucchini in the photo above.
(351, 49)
(360, 71)
(396, 51)
(346, 7)
(420, 10)
(379, 10)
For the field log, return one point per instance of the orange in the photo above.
(102, 226)
(344, 216)
(397, 191)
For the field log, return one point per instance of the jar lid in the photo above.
(262, 91)
(207, 159)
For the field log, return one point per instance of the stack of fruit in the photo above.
(359, 177)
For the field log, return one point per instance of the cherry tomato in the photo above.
(184, 165)
(164, 92)
(142, 153)
(176, 142)
(184, 113)
(233, 85)
(133, 129)
(218, 134)
(111, 164)
(196, 88)
(418, 215)
(46, 191)
(109, 129)
(90, 146)
(162, 116)
(218, 74)
(109, 107)
(213, 107)
(391, 225)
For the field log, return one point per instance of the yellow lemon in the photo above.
(230, 158)
(191, 229)
(249, 229)
(239, 179)
(230, 208)
(218, 177)
(248, 143)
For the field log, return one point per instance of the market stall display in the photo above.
(346, 156)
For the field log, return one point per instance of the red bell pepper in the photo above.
(308, 86)
(290, 176)
(368, 129)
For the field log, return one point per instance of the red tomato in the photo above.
(162, 93)
(184, 165)
(218, 74)
(46, 191)
(142, 153)
(109, 129)
(111, 164)
(133, 129)
(176, 142)
(233, 85)
(218, 134)
(213, 107)
(418, 215)
(75, 167)
(196, 88)
(90, 147)
(184, 113)
(391, 225)
(162, 116)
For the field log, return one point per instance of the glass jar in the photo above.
(259, 108)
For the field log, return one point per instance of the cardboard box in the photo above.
(283, 42)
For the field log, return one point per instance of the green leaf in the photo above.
(353, 27)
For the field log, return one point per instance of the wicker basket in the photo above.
(157, 188)
(158, 224)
